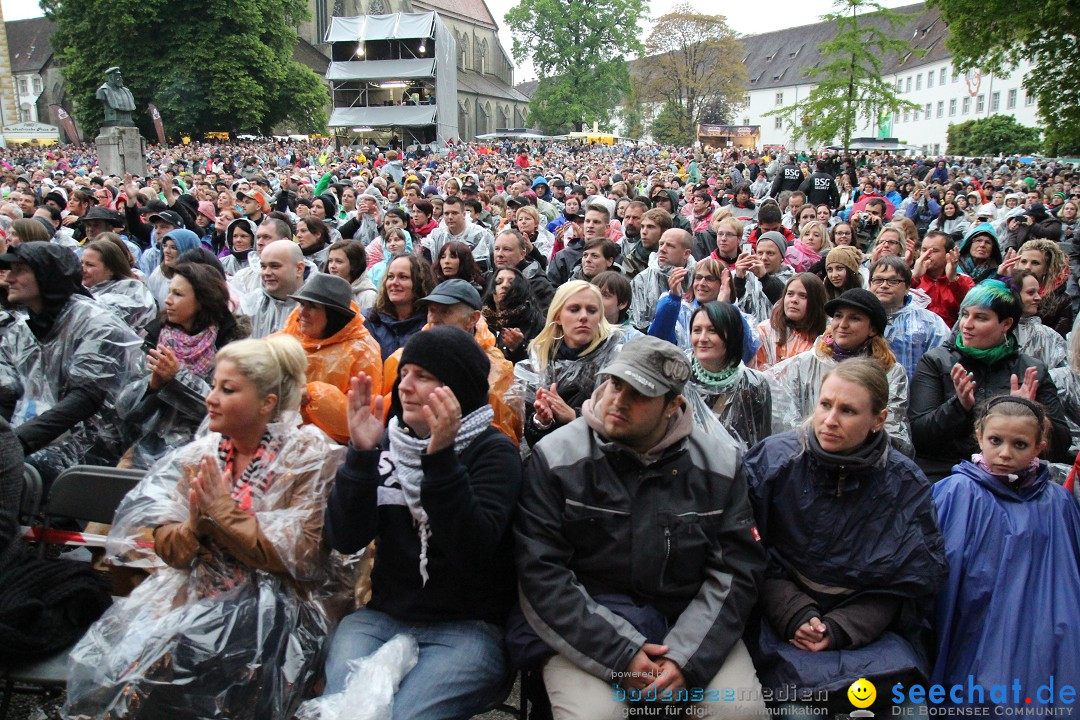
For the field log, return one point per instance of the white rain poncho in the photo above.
(130, 299)
(745, 411)
(476, 236)
(267, 313)
(796, 382)
(913, 330)
(649, 286)
(88, 345)
(215, 639)
(1067, 382)
(754, 302)
(1042, 343)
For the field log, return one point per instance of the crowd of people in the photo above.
(644, 422)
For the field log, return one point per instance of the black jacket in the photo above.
(789, 178)
(675, 534)
(943, 432)
(820, 188)
(470, 501)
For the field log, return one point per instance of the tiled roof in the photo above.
(474, 11)
(28, 44)
(779, 58)
(527, 88)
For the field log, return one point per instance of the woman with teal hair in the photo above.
(982, 360)
(397, 242)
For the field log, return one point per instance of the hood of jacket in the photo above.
(59, 276)
(997, 487)
(983, 228)
(354, 329)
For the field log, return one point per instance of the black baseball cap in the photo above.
(862, 300)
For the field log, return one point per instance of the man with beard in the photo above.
(652, 283)
(636, 253)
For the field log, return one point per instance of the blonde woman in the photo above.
(564, 358)
(236, 517)
(527, 221)
(812, 244)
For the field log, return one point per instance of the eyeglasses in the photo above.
(707, 278)
(887, 282)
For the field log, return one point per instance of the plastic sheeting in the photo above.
(267, 313)
(217, 639)
(1041, 342)
(166, 419)
(1067, 382)
(380, 27)
(370, 686)
(796, 382)
(382, 69)
(754, 303)
(383, 116)
(130, 299)
(88, 345)
(745, 412)
(649, 286)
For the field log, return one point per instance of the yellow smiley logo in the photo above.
(862, 693)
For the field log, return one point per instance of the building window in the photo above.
(746, 101)
(906, 113)
(22, 86)
(995, 101)
(980, 104)
(927, 111)
(967, 106)
(1029, 99)
(36, 83)
(778, 124)
(899, 85)
(918, 81)
(941, 108)
(1010, 103)
(779, 99)
(907, 84)
(937, 148)
(955, 77)
(746, 121)
(952, 107)
(941, 79)
(930, 79)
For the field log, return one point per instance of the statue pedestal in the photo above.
(120, 151)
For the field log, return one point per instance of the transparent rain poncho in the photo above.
(1042, 343)
(166, 419)
(1067, 382)
(268, 314)
(649, 286)
(130, 299)
(576, 379)
(745, 411)
(370, 687)
(216, 638)
(796, 382)
(87, 345)
(754, 302)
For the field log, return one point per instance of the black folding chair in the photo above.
(84, 493)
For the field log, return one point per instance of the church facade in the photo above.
(486, 98)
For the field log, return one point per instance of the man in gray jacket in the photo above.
(638, 559)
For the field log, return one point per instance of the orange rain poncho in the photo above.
(332, 362)
(509, 406)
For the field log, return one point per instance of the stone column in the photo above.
(7, 79)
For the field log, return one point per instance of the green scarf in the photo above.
(988, 356)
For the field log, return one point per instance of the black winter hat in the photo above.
(454, 357)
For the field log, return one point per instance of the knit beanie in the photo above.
(330, 204)
(846, 255)
(454, 357)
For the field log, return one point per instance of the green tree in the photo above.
(666, 127)
(691, 68)
(995, 35)
(578, 48)
(995, 135)
(633, 114)
(227, 67)
(849, 89)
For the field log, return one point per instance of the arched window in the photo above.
(502, 119)
(463, 51)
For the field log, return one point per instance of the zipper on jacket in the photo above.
(667, 553)
(840, 481)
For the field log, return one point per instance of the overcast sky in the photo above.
(745, 17)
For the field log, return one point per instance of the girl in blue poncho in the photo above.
(1012, 537)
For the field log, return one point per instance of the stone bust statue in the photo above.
(119, 102)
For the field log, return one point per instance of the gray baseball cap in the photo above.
(651, 366)
(451, 292)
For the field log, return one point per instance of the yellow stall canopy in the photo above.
(216, 136)
(31, 133)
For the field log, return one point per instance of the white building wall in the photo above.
(28, 87)
(960, 99)
(928, 133)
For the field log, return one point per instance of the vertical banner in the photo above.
(68, 124)
(157, 123)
